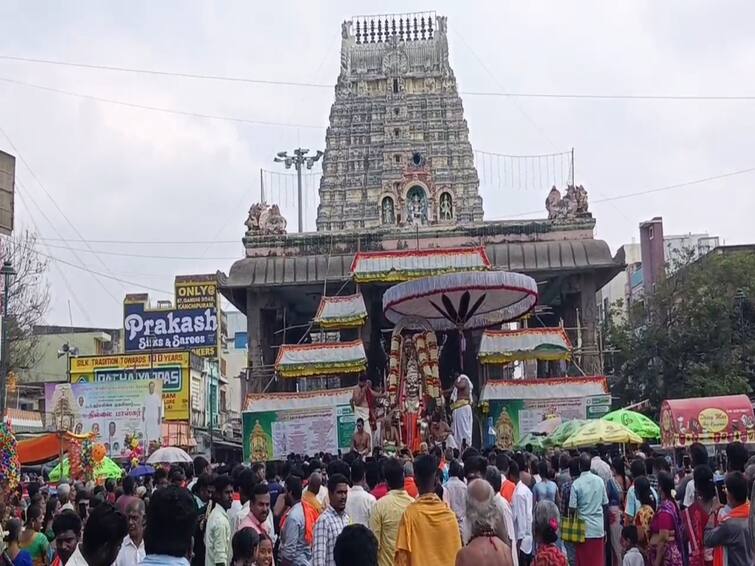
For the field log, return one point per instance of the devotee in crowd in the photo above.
(665, 546)
(359, 502)
(521, 507)
(259, 517)
(52, 508)
(645, 512)
(695, 516)
(730, 536)
(428, 532)
(13, 551)
(132, 550)
(64, 493)
(171, 520)
(698, 457)
(361, 442)
(461, 415)
(493, 477)
(484, 526)
(332, 521)
(545, 489)
(265, 551)
(356, 546)
(312, 491)
(615, 489)
(296, 526)
(546, 525)
(587, 498)
(32, 540)
(565, 496)
(362, 399)
(129, 495)
(218, 530)
(66, 527)
(410, 484)
(633, 556)
(455, 490)
(387, 512)
(244, 546)
(102, 538)
(638, 470)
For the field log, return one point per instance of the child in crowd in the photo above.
(632, 555)
(265, 551)
(244, 545)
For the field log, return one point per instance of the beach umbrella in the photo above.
(636, 422)
(564, 431)
(169, 455)
(106, 469)
(600, 431)
(142, 470)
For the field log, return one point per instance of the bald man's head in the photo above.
(315, 482)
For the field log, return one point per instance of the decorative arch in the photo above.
(418, 203)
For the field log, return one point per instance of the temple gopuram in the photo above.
(399, 201)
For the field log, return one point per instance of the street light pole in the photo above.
(7, 272)
(298, 159)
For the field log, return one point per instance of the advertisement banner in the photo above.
(513, 418)
(171, 368)
(112, 411)
(196, 292)
(272, 435)
(159, 329)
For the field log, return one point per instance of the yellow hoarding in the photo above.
(170, 367)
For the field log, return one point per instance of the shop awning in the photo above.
(505, 346)
(403, 265)
(261, 402)
(341, 312)
(709, 420)
(316, 360)
(545, 388)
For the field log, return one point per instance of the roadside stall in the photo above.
(709, 420)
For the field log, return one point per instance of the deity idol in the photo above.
(259, 444)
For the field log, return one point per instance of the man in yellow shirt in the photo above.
(387, 512)
(429, 532)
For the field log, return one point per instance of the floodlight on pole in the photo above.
(299, 158)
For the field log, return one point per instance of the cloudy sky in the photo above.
(105, 177)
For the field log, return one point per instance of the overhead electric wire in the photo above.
(159, 108)
(305, 84)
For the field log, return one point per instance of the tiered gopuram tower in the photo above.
(397, 151)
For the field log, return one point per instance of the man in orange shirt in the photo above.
(428, 532)
(409, 484)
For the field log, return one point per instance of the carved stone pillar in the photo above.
(589, 319)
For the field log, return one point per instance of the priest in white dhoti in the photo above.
(362, 401)
(461, 415)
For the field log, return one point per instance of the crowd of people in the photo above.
(438, 508)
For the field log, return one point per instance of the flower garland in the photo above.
(394, 365)
(9, 465)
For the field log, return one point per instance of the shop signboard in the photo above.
(171, 368)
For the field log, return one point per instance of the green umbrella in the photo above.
(107, 469)
(564, 431)
(536, 440)
(636, 422)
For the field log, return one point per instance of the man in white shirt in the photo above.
(132, 549)
(522, 510)
(359, 502)
(455, 491)
(217, 538)
(599, 467)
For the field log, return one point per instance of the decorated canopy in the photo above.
(46, 447)
(262, 402)
(462, 300)
(504, 346)
(403, 265)
(636, 422)
(709, 420)
(341, 312)
(106, 470)
(600, 431)
(552, 388)
(317, 360)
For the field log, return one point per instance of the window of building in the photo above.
(395, 86)
(397, 158)
(240, 340)
(396, 132)
(395, 111)
(650, 232)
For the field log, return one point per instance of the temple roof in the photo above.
(534, 258)
(341, 312)
(403, 265)
(312, 360)
(546, 388)
(504, 346)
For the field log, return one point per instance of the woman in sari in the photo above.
(644, 515)
(31, 539)
(666, 536)
(695, 517)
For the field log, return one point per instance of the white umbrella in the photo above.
(462, 301)
(169, 455)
